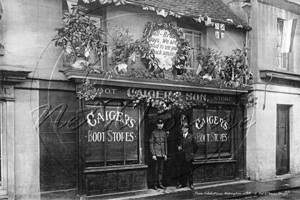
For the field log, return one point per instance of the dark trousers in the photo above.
(158, 170)
(186, 173)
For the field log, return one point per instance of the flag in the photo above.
(219, 30)
(289, 27)
(71, 3)
(208, 22)
(162, 12)
(119, 2)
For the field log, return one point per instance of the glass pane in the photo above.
(95, 136)
(199, 131)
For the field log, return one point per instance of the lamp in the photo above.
(246, 7)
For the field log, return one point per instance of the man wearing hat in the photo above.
(158, 148)
(188, 147)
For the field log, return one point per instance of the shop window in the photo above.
(112, 137)
(194, 39)
(285, 36)
(212, 133)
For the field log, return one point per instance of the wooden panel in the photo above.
(214, 172)
(117, 181)
(57, 141)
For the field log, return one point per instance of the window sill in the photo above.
(214, 161)
(115, 168)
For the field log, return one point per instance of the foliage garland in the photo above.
(173, 101)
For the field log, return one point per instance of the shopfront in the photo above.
(114, 134)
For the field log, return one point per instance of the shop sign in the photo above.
(119, 92)
(214, 122)
(105, 119)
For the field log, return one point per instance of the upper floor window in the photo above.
(285, 37)
(194, 39)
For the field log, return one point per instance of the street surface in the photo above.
(188, 194)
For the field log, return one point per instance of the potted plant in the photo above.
(210, 62)
(80, 37)
(236, 71)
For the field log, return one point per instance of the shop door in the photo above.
(282, 140)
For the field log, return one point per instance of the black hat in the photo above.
(159, 121)
(185, 126)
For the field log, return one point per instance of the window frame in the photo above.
(193, 34)
(217, 155)
(284, 60)
(106, 162)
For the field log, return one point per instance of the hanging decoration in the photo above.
(219, 30)
(116, 2)
(161, 12)
(208, 21)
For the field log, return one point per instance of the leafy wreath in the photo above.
(182, 45)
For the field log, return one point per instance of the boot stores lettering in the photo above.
(213, 122)
(107, 120)
(111, 136)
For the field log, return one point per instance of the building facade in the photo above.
(273, 136)
(56, 144)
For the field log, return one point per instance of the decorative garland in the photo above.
(172, 101)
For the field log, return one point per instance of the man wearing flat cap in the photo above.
(188, 147)
(158, 148)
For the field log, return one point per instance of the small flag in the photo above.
(145, 8)
(119, 2)
(162, 12)
(219, 30)
(103, 1)
(171, 13)
(208, 21)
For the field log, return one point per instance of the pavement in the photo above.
(225, 190)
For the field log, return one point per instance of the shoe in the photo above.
(192, 187)
(181, 186)
(161, 187)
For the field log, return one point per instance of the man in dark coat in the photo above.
(188, 147)
(158, 148)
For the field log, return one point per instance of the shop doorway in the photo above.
(282, 139)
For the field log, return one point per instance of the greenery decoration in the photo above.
(174, 100)
(146, 74)
(210, 62)
(121, 44)
(87, 91)
(236, 71)
(80, 37)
